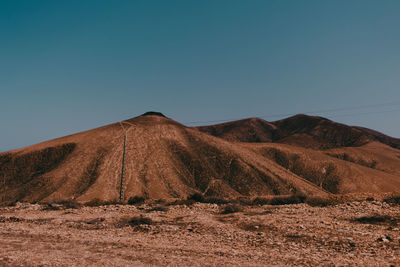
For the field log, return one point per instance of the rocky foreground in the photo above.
(362, 233)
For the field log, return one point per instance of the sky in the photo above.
(69, 66)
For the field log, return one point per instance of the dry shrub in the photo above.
(289, 199)
(94, 202)
(197, 197)
(393, 200)
(136, 200)
(158, 208)
(52, 206)
(98, 202)
(278, 200)
(8, 204)
(64, 204)
(259, 201)
(231, 208)
(139, 220)
(160, 201)
(378, 219)
(321, 202)
(215, 200)
(286, 200)
(181, 202)
(70, 204)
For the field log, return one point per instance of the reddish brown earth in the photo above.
(300, 130)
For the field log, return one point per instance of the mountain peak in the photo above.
(153, 113)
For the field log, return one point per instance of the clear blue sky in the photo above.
(69, 66)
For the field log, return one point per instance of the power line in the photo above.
(365, 113)
(322, 111)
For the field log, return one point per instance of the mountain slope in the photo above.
(163, 159)
(247, 130)
(373, 168)
(300, 130)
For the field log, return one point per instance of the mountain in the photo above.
(247, 130)
(300, 130)
(161, 158)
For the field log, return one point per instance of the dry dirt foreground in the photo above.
(199, 235)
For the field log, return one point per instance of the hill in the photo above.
(163, 159)
(300, 130)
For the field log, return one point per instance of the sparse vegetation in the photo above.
(215, 200)
(65, 204)
(378, 219)
(7, 204)
(139, 220)
(231, 208)
(393, 200)
(136, 200)
(360, 161)
(321, 202)
(158, 208)
(19, 171)
(325, 175)
(91, 172)
(197, 197)
(181, 202)
(276, 200)
(98, 202)
(287, 200)
(259, 201)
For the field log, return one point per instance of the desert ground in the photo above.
(351, 233)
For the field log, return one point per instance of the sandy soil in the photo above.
(199, 235)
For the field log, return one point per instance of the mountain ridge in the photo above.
(166, 159)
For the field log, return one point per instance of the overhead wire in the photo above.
(330, 112)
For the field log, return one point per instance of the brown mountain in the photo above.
(301, 130)
(165, 159)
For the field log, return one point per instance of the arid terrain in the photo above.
(150, 191)
(161, 158)
(355, 233)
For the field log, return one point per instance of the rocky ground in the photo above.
(362, 233)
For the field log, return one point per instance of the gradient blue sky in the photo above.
(69, 66)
